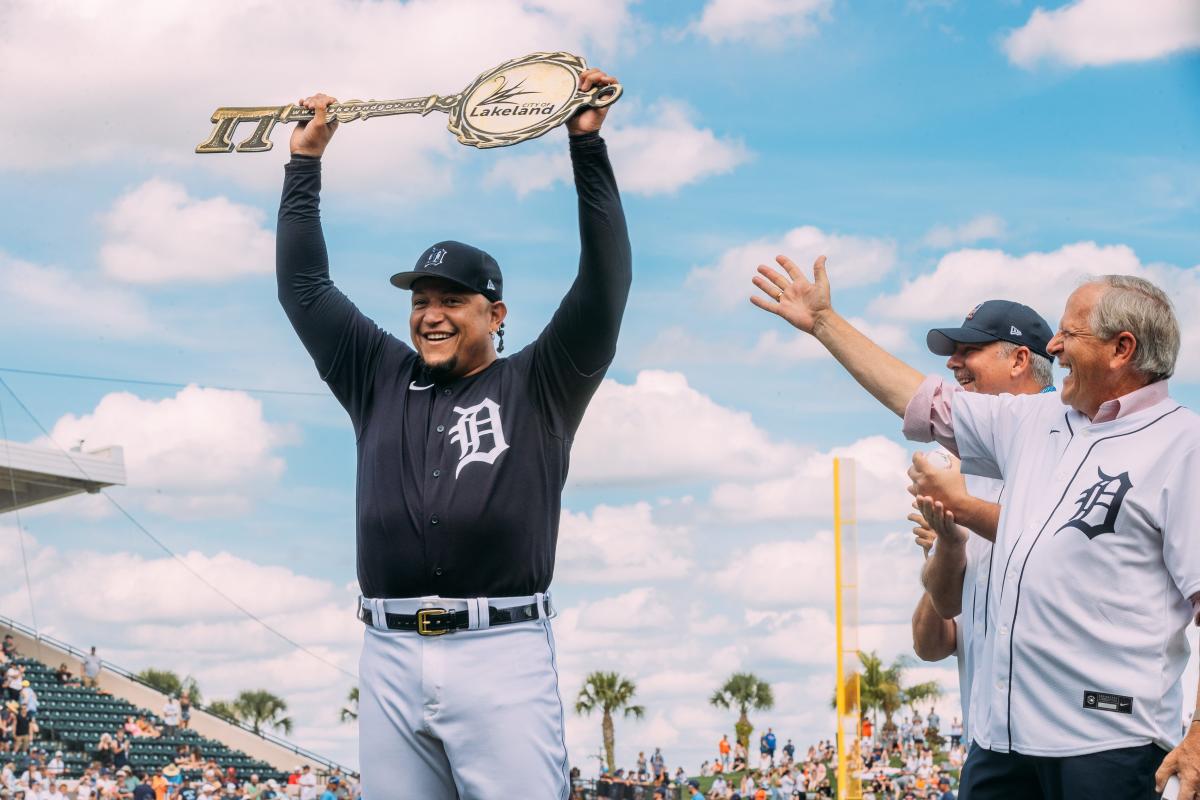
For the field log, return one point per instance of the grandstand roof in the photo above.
(30, 474)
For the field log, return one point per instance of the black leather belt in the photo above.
(438, 621)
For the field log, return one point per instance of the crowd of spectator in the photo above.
(38, 780)
(31, 773)
(912, 760)
(18, 716)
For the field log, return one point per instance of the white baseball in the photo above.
(939, 459)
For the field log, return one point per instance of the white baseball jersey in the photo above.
(971, 625)
(1096, 556)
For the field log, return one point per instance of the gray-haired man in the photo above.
(1101, 566)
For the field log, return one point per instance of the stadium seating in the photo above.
(72, 719)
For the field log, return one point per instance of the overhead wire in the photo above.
(167, 384)
(163, 546)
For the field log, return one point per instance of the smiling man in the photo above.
(462, 457)
(1079, 687)
(1000, 348)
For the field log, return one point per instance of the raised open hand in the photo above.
(794, 297)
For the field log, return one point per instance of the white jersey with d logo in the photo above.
(970, 626)
(1096, 557)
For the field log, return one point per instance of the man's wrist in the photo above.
(824, 323)
(967, 510)
(951, 545)
(585, 140)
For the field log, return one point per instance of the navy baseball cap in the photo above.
(995, 320)
(461, 263)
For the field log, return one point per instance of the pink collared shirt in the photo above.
(929, 415)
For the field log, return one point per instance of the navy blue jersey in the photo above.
(460, 481)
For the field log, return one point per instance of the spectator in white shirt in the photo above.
(171, 715)
(308, 784)
(91, 669)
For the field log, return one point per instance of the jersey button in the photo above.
(446, 392)
(433, 520)
(438, 572)
(441, 428)
(437, 473)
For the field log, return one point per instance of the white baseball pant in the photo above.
(469, 715)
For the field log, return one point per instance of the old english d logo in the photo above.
(434, 257)
(478, 433)
(1099, 505)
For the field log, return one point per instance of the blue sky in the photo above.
(940, 152)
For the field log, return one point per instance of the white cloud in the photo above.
(206, 449)
(157, 233)
(624, 611)
(150, 612)
(1042, 281)
(662, 153)
(852, 261)
(35, 293)
(1092, 33)
(983, 227)
(156, 71)
(676, 346)
(783, 575)
(804, 490)
(802, 635)
(761, 21)
(621, 543)
(660, 429)
(791, 346)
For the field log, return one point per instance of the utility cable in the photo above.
(137, 382)
(162, 545)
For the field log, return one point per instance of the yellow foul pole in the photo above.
(845, 562)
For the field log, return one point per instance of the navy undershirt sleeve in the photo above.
(572, 353)
(344, 343)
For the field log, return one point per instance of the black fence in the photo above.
(603, 789)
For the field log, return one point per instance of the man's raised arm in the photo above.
(588, 320)
(806, 305)
(341, 340)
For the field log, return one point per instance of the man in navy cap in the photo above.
(462, 457)
(1080, 683)
(999, 349)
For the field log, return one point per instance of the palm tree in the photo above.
(883, 689)
(745, 691)
(169, 682)
(259, 707)
(350, 710)
(224, 709)
(879, 687)
(608, 692)
(920, 692)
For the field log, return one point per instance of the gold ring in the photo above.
(779, 297)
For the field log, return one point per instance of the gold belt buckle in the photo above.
(423, 616)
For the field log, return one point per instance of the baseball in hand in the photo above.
(939, 459)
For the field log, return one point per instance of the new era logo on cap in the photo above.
(994, 321)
